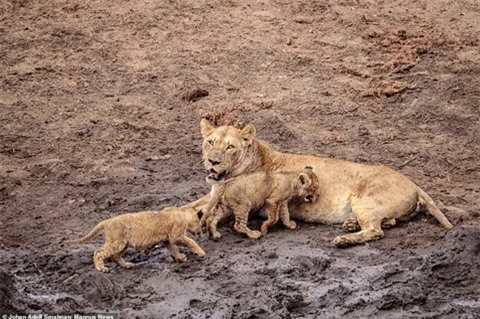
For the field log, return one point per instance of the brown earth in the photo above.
(100, 109)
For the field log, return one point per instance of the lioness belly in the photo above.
(321, 211)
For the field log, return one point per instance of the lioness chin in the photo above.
(362, 197)
(143, 230)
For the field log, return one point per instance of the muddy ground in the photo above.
(97, 119)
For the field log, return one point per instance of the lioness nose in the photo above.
(214, 162)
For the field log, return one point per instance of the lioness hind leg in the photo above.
(190, 243)
(371, 230)
(285, 217)
(272, 217)
(241, 219)
(121, 262)
(175, 253)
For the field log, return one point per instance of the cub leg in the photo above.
(190, 243)
(107, 250)
(272, 217)
(285, 216)
(241, 220)
(175, 253)
(212, 222)
(117, 258)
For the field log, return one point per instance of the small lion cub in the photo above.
(145, 229)
(251, 192)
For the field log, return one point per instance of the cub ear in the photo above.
(248, 132)
(206, 128)
(200, 214)
(308, 169)
(304, 179)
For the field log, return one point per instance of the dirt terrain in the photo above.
(100, 104)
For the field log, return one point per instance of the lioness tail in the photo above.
(95, 231)
(432, 208)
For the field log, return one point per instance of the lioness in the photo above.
(361, 196)
(250, 192)
(145, 229)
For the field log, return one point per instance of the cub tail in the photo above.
(94, 232)
(427, 201)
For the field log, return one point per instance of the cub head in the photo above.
(224, 149)
(194, 224)
(308, 181)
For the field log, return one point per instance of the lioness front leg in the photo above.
(190, 243)
(285, 216)
(273, 211)
(175, 253)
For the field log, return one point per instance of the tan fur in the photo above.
(369, 195)
(247, 193)
(145, 229)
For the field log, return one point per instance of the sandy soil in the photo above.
(100, 103)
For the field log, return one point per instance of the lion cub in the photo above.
(145, 229)
(252, 192)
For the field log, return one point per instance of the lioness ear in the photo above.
(248, 132)
(205, 128)
(304, 179)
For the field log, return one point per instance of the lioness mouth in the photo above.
(213, 174)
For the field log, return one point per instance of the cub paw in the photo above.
(216, 235)
(128, 265)
(103, 269)
(201, 253)
(254, 234)
(342, 241)
(291, 225)
(181, 258)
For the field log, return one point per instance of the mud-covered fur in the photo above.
(145, 229)
(360, 196)
(247, 193)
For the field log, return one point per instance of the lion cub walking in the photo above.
(252, 192)
(145, 229)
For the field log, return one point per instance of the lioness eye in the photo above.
(230, 147)
(211, 142)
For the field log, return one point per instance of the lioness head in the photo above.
(224, 149)
(308, 184)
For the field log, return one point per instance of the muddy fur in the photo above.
(145, 229)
